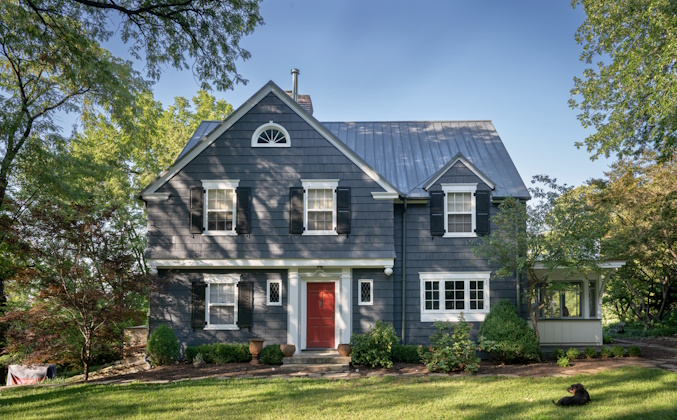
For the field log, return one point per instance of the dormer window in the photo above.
(271, 135)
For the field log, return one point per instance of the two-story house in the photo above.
(272, 224)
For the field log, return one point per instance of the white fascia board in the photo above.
(385, 196)
(155, 197)
(240, 112)
(452, 162)
(607, 265)
(270, 262)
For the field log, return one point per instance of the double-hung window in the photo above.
(459, 209)
(320, 206)
(220, 207)
(221, 301)
(445, 295)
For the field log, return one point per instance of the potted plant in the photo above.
(255, 347)
(287, 350)
(344, 350)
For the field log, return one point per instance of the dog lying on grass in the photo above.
(580, 397)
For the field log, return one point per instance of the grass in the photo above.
(623, 393)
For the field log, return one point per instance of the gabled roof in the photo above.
(201, 143)
(411, 153)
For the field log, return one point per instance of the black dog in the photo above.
(580, 397)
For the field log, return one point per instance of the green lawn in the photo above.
(624, 393)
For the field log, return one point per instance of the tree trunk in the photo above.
(534, 318)
(86, 355)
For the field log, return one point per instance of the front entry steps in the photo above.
(316, 362)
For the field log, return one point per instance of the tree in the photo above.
(630, 98)
(83, 280)
(641, 196)
(559, 232)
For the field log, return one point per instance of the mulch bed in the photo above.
(548, 368)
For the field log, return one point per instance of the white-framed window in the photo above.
(365, 292)
(445, 295)
(274, 293)
(271, 135)
(562, 299)
(319, 206)
(220, 207)
(221, 301)
(459, 210)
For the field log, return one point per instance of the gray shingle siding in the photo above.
(270, 172)
(171, 305)
(365, 316)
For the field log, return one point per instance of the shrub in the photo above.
(634, 351)
(557, 354)
(163, 348)
(406, 353)
(506, 336)
(618, 351)
(375, 347)
(450, 352)
(573, 353)
(590, 352)
(563, 361)
(199, 359)
(607, 339)
(271, 355)
(220, 353)
(605, 352)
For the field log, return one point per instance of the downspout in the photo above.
(404, 262)
(519, 300)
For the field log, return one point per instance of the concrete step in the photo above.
(314, 367)
(316, 359)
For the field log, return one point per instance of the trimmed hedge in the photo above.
(163, 347)
(271, 355)
(506, 336)
(406, 353)
(220, 353)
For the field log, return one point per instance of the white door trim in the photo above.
(304, 303)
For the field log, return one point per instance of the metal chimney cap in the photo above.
(295, 71)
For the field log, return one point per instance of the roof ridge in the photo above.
(404, 121)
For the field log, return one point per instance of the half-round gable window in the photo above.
(271, 135)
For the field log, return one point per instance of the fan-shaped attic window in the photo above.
(270, 135)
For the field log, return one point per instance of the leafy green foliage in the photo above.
(634, 351)
(375, 347)
(163, 348)
(605, 352)
(450, 352)
(629, 96)
(573, 353)
(618, 351)
(271, 355)
(406, 353)
(563, 362)
(558, 354)
(507, 336)
(590, 352)
(220, 353)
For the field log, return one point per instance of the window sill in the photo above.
(320, 232)
(460, 235)
(273, 303)
(221, 328)
(365, 303)
(453, 316)
(220, 233)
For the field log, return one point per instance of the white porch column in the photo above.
(293, 308)
(346, 294)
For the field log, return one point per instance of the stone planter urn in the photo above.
(344, 350)
(287, 350)
(255, 347)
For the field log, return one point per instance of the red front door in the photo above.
(320, 309)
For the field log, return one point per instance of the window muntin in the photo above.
(271, 135)
(445, 295)
(220, 204)
(366, 292)
(274, 293)
(319, 216)
(221, 301)
(459, 209)
(562, 300)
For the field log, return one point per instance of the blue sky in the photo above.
(511, 62)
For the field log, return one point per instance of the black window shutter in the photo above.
(482, 205)
(244, 211)
(437, 213)
(245, 304)
(198, 304)
(196, 209)
(296, 210)
(343, 210)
